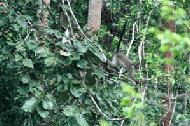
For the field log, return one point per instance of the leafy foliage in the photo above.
(54, 75)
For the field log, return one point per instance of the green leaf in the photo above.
(126, 101)
(75, 56)
(32, 45)
(2, 22)
(20, 47)
(97, 53)
(49, 102)
(28, 63)
(99, 72)
(139, 105)
(129, 89)
(42, 113)
(81, 46)
(50, 61)
(82, 64)
(25, 79)
(42, 51)
(38, 91)
(77, 92)
(21, 22)
(103, 123)
(30, 105)
(16, 27)
(22, 91)
(18, 57)
(128, 111)
(54, 32)
(71, 110)
(81, 120)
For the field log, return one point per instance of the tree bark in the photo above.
(43, 13)
(94, 14)
(166, 120)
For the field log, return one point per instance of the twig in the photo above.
(146, 86)
(131, 43)
(132, 40)
(72, 14)
(69, 20)
(100, 111)
(96, 105)
(122, 122)
(28, 34)
(141, 46)
(173, 108)
(141, 51)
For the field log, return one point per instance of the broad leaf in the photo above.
(50, 61)
(81, 120)
(18, 57)
(28, 63)
(32, 45)
(25, 79)
(104, 123)
(82, 64)
(77, 92)
(30, 105)
(49, 102)
(71, 110)
(42, 113)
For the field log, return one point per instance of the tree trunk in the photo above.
(166, 120)
(94, 14)
(43, 13)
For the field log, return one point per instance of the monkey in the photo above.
(119, 59)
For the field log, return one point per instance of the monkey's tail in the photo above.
(121, 35)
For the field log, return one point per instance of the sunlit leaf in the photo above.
(49, 102)
(82, 63)
(42, 51)
(67, 33)
(71, 110)
(50, 61)
(104, 123)
(81, 120)
(18, 57)
(63, 53)
(32, 45)
(28, 63)
(42, 113)
(77, 92)
(25, 79)
(126, 101)
(128, 111)
(30, 105)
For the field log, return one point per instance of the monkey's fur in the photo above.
(120, 60)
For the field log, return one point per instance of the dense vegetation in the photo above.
(54, 75)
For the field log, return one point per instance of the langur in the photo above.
(121, 60)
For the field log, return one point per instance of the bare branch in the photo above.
(101, 112)
(122, 122)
